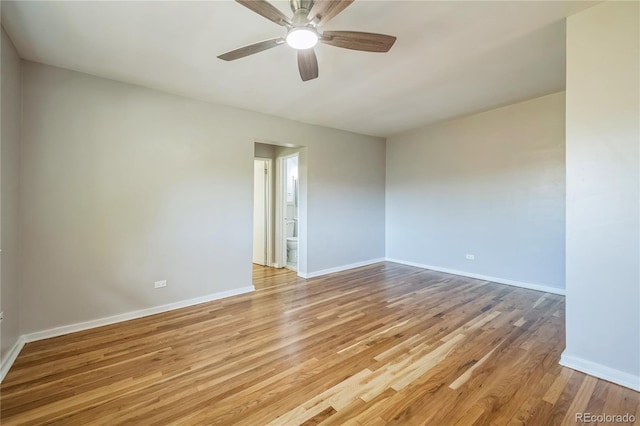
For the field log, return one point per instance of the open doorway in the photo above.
(290, 210)
(283, 224)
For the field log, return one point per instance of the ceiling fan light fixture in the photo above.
(302, 32)
(302, 38)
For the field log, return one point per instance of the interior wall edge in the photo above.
(339, 268)
(86, 325)
(11, 356)
(13, 353)
(10, 240)
(600, 371)
(529, 286)
(8, 361)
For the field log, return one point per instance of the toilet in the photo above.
(292, 243)
(292, 250)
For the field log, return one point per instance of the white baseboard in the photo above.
(72, 328)
(601, 371)
(10, 357)
(339, 268)
(8, 361)
(530, 286)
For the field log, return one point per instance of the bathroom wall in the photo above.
(291, 216)
(292, 178)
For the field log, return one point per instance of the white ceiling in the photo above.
(450, 59)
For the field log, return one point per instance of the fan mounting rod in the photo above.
(301, 4)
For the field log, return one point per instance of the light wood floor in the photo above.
(264, 278)
(383, 344)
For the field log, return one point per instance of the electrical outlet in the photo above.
(471, 257)
(159, 284)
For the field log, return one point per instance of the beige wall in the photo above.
(491, 185)
(9, 180)
(603, 192)
(123, 186)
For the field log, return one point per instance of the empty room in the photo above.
(309, 212)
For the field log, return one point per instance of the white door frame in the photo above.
(281, 190)
(267, 206)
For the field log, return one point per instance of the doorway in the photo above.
(289, 210)
(283, 218)
(262, 211)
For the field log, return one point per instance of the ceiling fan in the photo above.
(303, 33)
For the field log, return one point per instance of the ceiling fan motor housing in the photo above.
(300, 18)
(301, 4)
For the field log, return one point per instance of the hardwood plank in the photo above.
(382, 344)
(467, 374)
(558, 386)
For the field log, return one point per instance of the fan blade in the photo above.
(324, 10)
(266, 9)
(307, 64)
(251, 49)
(355, 40)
